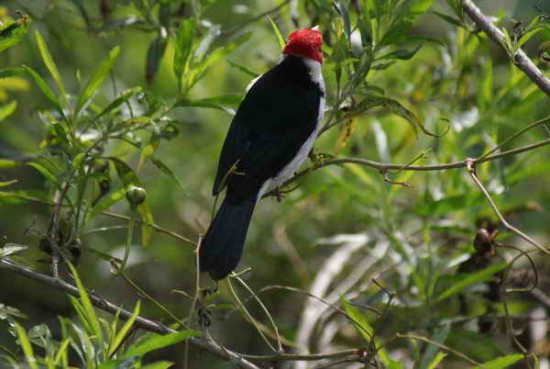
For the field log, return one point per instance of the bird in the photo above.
(270, 136)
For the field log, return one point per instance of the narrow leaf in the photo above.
(158, 365)
(11, 248)
(7, 109)
(156, 341)
(184, 43)
(96, 79)
(50, 64)
(277, 32)
(166, 170)
(121, 334)
(501, 362)
(124, 97)
(471, 279)
(87, 304)
(26, 346)
(13, 32)
(146, 219)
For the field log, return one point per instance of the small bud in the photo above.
(483, 241)
(135, 195)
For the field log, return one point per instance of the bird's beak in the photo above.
(316, 28)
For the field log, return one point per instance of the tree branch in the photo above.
(470, 165)
(383, 167)
(520, 59)
(144, 323)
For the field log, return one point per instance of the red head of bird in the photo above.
(305, 43)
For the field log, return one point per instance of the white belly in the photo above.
(288, 170)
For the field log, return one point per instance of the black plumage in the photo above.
(277, 116)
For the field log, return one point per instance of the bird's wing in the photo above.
(274, 120)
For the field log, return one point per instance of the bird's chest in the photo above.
(294, 164)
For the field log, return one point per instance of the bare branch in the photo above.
(144, 323)
(471, 170)
(520, 59)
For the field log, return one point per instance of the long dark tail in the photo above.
(222, 246)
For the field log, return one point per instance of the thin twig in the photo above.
(441, 346)
(384, 167)
(102, 304)
(470, 166)
(520, 59)
(307, 357)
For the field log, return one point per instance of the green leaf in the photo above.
(154, 56)
(121, 334)
(12, 33)
(11, 248)
(277, 32)
(147, 219)
(158, 365)
(485, 85)
(166, 170)
(96, 79)
(418, 7)
(217, 102)
(431, 351)
(184, 43)
(8, 183)
(26, 346)
(358, 320)
(6, 163)
(38, 80)
(108, 201)
(343, 11)
(243, 69)
(448, 204)
(7, 311)
(471, 279)
(436, 360)
(156, 341)
(124, 97)
(89, 311)
(125, 172)
(61, 353)
(7, 109)
(501, 362)
(447, 18)
(46, 172)
(50, 64)
(402, 54)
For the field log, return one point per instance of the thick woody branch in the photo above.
(141, 322)
(520, 59)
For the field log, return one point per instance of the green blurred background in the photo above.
(421, 232)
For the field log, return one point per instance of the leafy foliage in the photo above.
(121, 133)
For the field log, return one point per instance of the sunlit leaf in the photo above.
(146, 218)
(50, 64)
(121, 334)
(26, 346)
(184, 43)
(157, 341)
(12, 33)
(358, 320)
(501, 362)
(11, 248)
(89, 311)
(7, 109)
(277, 33)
